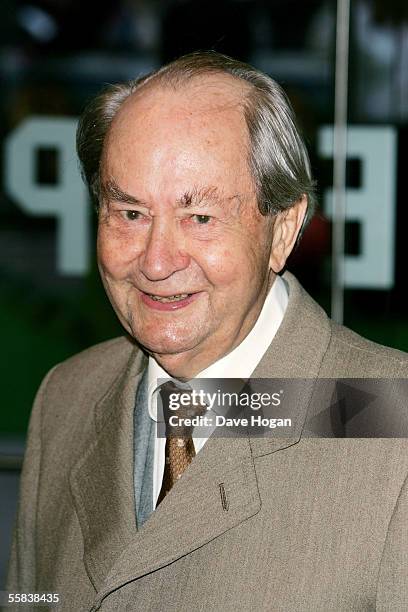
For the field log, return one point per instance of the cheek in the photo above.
(226, 268)
(245, 266)
(107, 253)
(217, 263)
(115, 253)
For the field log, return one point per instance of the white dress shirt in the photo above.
(239, 363)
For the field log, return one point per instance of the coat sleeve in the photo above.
(21, 576)
(392, 588)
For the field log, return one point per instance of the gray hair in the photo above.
(278, 158)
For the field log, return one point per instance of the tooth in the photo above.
(170, 298)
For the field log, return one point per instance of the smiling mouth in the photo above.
(169, 298)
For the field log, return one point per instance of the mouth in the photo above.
(168, 302)
(170, 298)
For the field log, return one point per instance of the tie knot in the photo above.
(181, 403)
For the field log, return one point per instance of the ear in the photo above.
(286, 228)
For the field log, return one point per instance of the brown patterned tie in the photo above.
(180, 449)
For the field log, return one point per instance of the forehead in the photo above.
(164, 141)
(209, 107)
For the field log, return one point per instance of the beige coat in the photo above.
(312, 524)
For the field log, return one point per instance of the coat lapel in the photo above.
(217, 492)
(296, 353)
(102, 481)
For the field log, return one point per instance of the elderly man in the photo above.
(203, 186)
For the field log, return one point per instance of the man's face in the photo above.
(183, 250)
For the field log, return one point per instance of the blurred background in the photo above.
(56, 54)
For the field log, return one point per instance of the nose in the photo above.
(164, 253)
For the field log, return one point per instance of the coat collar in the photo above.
(219, 489)
(297, 352)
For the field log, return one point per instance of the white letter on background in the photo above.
(67, 200)
(372, 205)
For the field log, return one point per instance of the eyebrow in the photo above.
(196, 197)
(199, 197)
(111, 191)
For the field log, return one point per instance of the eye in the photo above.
(202, 219)
(132, 215)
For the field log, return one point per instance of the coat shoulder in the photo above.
(95, 367)
(83, 379)
(101, 360)
(355, 356)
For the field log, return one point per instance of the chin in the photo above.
(167, 344)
